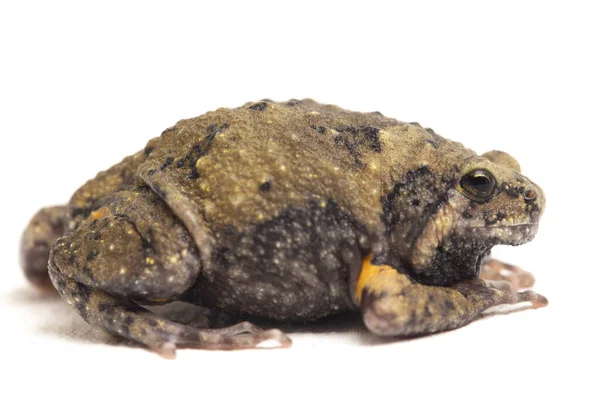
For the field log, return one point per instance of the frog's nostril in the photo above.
(529, 195)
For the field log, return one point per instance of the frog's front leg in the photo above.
(393, 304)
(129, 255)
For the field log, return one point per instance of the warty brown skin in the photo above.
(292, 211)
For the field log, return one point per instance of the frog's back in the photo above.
(248, 164)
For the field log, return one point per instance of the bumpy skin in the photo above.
(292, 211)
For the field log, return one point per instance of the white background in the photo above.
(81, 86)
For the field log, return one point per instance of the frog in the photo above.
(289, 211)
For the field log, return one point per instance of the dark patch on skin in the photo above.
(213, 130)
(87, 271)
(416, 124)
(199, 150)
(351, 149)
(92, 254)
(258, 106)
(400, 205)
(492, 218)
(512, 191)
(319, 129)
(94, 235)
(488, 217)
(192, 158)
(304, 245)
(461, 262)
(147, 242)
(467, 214)
(152, 172)
(293, 102)
(193, 175)
(448, 305)
(168, 162)
(148, 150)
(372, 135)
(355, 139)
(265, 187)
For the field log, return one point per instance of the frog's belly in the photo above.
(247, 290)
(293, 267)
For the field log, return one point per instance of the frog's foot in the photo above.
(498, 271)
(129, 320)
(42, 231)
(393, 304)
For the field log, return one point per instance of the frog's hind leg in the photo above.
(42, 231)
(496, 270)
(135, 253)
(127, 319)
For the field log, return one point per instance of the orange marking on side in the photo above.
(99, 213)
(367, 272)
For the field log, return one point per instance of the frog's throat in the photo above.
(432, 237)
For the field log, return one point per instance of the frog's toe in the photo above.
(219, 339)
(537, 300)
(498, 271)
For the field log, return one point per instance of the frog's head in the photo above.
(488, 203)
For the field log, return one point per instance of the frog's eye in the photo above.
(478, 185)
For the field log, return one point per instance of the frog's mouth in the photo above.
(512, 235)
